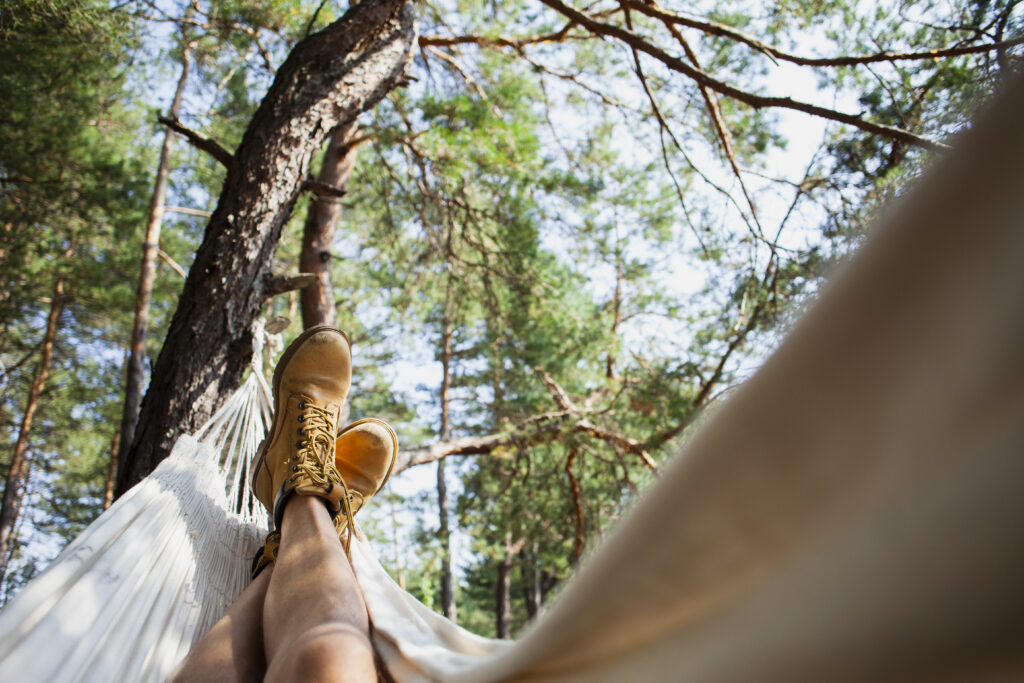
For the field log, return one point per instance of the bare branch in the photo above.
(476, 445)
(459, 69)
(312, 19)
(560, 396)
(585, 426)
(322, 189)
(723, 88)
(189, 211)
(715, 112)
(172, 263)
(577, 507)
(722, 30)
(770, 277)
(279, 284)
(199, 141)
(514, 42)
(664, 129)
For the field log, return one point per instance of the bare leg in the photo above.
(316, 627)
(232, 651)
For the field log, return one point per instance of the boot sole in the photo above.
(285, 358)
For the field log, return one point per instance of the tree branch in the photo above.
(189, 211)
(585, 426)
(473, 445)
(514, 42)
(577, 506)
(459, 69)
(724, 31)
(279, 284)
(751, 99)
(171, 263)
(658, 440)
(199, 141)
(322, 189)
(718, 121)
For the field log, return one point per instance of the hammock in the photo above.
(853, 512)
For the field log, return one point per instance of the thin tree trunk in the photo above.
(444, 534)
(616, 314)
(328, 79)
(115, 450)
(5, 293)
(20, 464)
(399, 574)
(503, 597)
(321, 222)
(108, 487)
(533, 589)
(136, 369)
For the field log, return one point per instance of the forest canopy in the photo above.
(556, 234)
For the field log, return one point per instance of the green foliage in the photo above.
(72, 195)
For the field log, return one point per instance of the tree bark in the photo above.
(533, 585)
(444, 533)
(318, 234)
(503, 590)
(328, 80)
(20, 465)
(399, 574)
(108, 487)
(136, 367)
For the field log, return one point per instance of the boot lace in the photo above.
(349, 516)
(315, 458)
(315, 455)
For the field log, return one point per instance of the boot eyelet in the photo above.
(298, 444)
(299, 431)
(302, 406)
(302, 418)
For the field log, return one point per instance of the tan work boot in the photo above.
(364, 456)
(297, 458)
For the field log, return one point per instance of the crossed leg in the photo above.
(315, 624)
(302, 619)
(231, 651)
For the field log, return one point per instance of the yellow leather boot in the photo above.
(365, 454)
(297, 457)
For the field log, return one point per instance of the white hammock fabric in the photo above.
(853, 512)
(126, 600)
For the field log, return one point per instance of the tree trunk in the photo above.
(444, 533)
(108, 487)
(328, 80)
(399, 574)
(136, 367)
(321, 221)
(20, 464)
(533, 586)
(503, 602)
